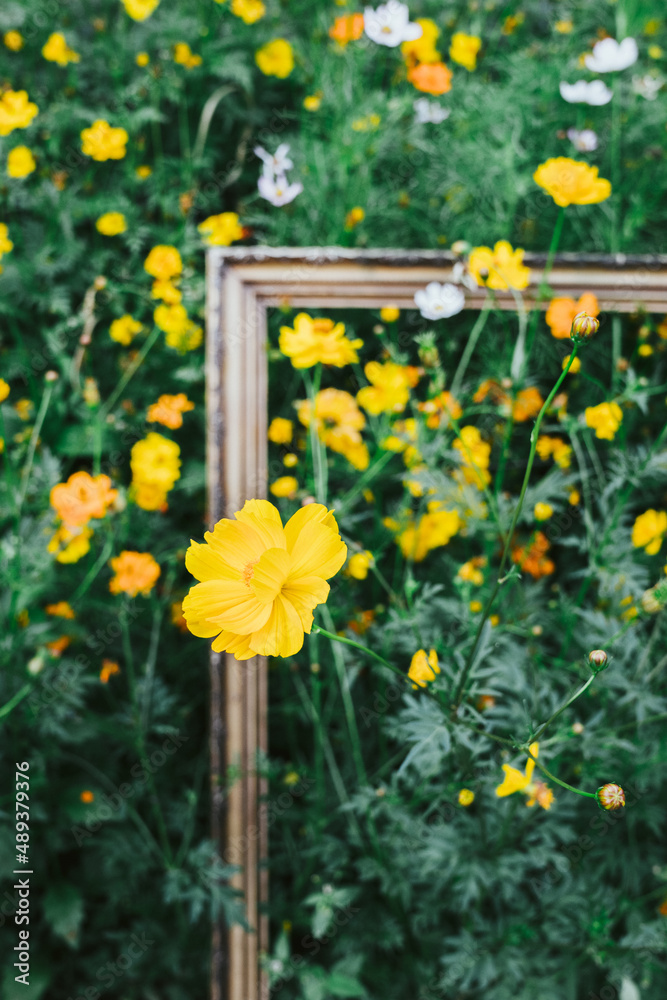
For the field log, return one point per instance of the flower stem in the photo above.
(460, 688)
(563, 784)
(567, 704)
(364, 649)
(32, 447)
(106, 407)
(471, 344)
(13, 702)
(317, 449)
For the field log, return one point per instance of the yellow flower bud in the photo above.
(598, 660)
(610, 797)
(583, 327)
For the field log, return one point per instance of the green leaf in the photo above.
(345, 986)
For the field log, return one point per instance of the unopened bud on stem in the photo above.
(598, 660)
(610, 797)
(583, 327)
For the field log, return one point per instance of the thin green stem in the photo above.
(318, 451)
(16, 700)
(543, 290)
(348, 706)
(460, 688)
(552, 777)
(32, 447)
(570, 701)
(138, 361)
(471, 344)
(95, 569)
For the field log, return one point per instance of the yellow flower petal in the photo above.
(514, 781)
(268, 575)
(305, 594)
(265, 519)
(282, 635)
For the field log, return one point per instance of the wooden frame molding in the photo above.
(241, 284)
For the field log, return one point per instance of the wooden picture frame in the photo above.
(241, 284)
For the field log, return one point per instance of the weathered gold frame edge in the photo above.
(241, 283)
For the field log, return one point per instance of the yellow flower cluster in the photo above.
(390, 386)
(434, 529)
(338, 421)
(156, 466)
(221, 230)
(425, 68)
(556, 448)
(184, 56)
(164, 264)
(124, 329)
(474, 455)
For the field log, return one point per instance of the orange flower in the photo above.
(58, 646)
(109, 668)
(169, 410)
(347, 28)
(136, 573)
(60, 610)
(177, 618)
(562, 311)
(81, 498)
(532, 558)
(440, 409)
(431, 78)
(527, 404)
(87, 796)
(490, 387)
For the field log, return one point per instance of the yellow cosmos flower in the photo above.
(184, 56)
(338, 421)
(422, 49)
(156, 466)
(500, 268)
(359, 564)
(466, 797)
(390, 313)
(571, 182)
(58, 51)
(221, 230)
(143, 171)
(542, 511)
(166, 291)
(312, 102)
(102, 142)
(275, 58)
(423, 668)
(61, 609)
(4, 390)
(70, 544)
(135, 573)
(20, 162)
(515, 781)
(260, 581)
(280, 430)
(169, 410)
(139, 10)
(124, 329)
(648, 531)
(471, 571)
(313, 340)
(185, 340)
(142, 59)
(163, 262)
(556, 448)
(464, 49)
(284, 486)
(390, 386)
(16, 111)
(111, 224)
(474, 454)
(605, 419)
(248, 10)
(13, 40)
(433, 530)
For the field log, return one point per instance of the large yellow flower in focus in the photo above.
(571, 182)
(260, 581)
(500, 268)
(313, 340)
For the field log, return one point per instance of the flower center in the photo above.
(248, 571)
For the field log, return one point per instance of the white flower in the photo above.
(438, 301)
(594, 93)
(609, 56)
(647, 86)
(280, 162)
(584, 140)
(390, 24)
(277, 189)
(462, 276)
(429, 112)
